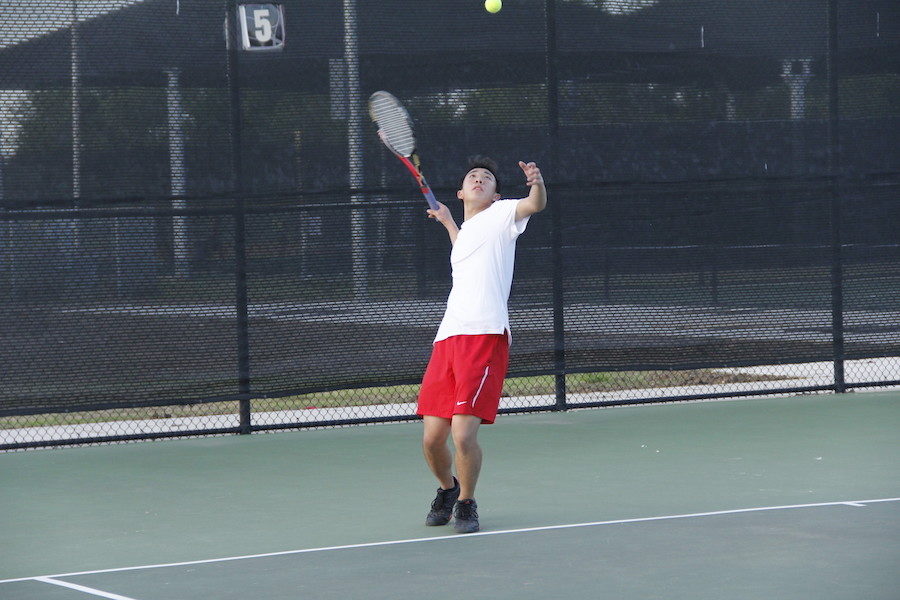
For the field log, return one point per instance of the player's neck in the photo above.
(474, 207)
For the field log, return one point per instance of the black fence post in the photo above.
(714, 273)
(607, 273)
(559, 341)
(240, 233)
(834, 168)
(422, 240)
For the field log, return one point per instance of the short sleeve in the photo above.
(512, 227)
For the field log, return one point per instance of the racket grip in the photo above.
(432, 201)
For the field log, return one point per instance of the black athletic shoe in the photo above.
(442, 507)
(466, 517)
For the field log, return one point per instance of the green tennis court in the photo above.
(793, 497)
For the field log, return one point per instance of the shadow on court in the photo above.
(764, 498)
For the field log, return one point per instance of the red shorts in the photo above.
(465, 377)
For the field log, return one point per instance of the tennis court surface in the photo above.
(793, 497)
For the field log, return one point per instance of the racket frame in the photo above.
(420, 179)
(411, 162)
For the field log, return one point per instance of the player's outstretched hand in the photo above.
(532, 173)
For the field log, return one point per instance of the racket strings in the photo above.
(394, 125)
(398, 134)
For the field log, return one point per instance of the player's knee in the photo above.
(434, 440)
(465, 442)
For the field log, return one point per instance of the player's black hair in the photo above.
(483, 162)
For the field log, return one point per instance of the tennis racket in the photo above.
(395, 130)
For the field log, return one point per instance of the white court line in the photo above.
(460, 536)
(81, 588)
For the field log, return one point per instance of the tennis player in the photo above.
(464, 378)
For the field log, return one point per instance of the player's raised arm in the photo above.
(443, 216)
(536, 200)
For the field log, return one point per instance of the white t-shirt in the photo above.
(482, 260)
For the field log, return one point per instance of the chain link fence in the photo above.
(200, 232)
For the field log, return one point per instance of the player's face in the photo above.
(479, 183)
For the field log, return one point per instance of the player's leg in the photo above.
(468, 466)
(436, 407)
(436, 450)
(439, 459)
(479, 367)
(468, 453)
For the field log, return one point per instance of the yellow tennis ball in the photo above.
(493, 6)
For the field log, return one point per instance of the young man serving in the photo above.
(464, 379)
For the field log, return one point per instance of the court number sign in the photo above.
(262, 26)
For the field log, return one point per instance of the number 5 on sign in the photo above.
(262, 26)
